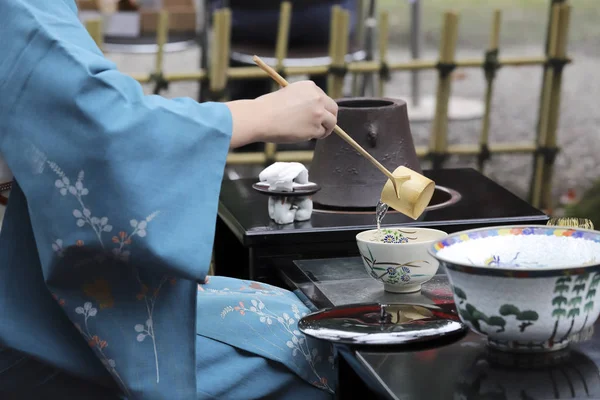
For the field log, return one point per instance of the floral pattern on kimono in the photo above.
(111, 290)
(113, 215)
(263, 319)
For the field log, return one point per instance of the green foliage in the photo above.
(575, 301)
(559, 312)
(509, 309)
(560, 288)
(590, 294)
(580, 287)
(528, 316)
(564, 279)
(559, 300)
(588, 206)
(460, 293)
(497, 321)
(573, 312)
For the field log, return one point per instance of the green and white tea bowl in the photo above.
(398, 257)
(526, 288)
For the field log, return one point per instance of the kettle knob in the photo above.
(372, 135)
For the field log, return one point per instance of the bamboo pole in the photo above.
(214, 53)
(490, 75)
(162, 35)
(384, 37)
(422, 151)
(439, 132)
(281, 49)
(545, 72)
(342, 50)
(495, 148)
(359, 37)
(338, 48)
(95, 29)
(220, 53)
(260, 158)
(539, 165)
(283, 34)
(554, 107)
(333, 43)
(354, 67)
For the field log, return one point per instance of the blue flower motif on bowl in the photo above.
(389, 239)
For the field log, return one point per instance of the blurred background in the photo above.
(515, 102)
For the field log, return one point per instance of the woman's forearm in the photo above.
(248, 122)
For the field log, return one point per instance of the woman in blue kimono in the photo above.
(109, 229)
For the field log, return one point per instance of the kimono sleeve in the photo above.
(123, 157)
(122, 191)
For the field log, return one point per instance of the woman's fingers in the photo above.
(328, 123)
(329, 104)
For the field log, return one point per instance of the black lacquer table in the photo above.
(461, 369)
(249, 245)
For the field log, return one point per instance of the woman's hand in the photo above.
(296, 113)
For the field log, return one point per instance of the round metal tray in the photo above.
(383, 324)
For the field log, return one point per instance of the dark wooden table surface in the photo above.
(464, 369)
(249, 245)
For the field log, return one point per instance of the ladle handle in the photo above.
(341, 133)
(283, 83)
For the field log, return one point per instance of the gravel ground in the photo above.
(514, 115)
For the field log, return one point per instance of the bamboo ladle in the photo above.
(417, 190)
(396, 180)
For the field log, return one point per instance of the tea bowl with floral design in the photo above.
(398, 257)
(526, 288)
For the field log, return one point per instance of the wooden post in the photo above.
(439, 132)
(359, 67)
(540, 164)
(359, 38)
(337, 50)
(219, 60)
(333, 41)
(384, 37)
(491, 57)
(554, 104)
(281, 49)
(162, 35)
(283, 34)
(543, 91)
(95, 29)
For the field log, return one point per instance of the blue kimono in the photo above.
(110, 228)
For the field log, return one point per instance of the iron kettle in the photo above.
(347, 179)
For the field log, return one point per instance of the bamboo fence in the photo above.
(543, 148)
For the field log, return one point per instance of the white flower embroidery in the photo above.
(57, 246)
(89, 311)
(297, 343)
(100, 225)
